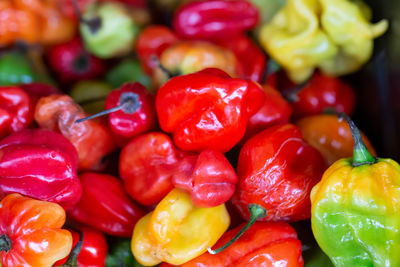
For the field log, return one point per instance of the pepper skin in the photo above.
(330, 136)
(16, 111)
(208, 177)
(105, 206)
(30, 232)
(146, 166)
(38, 90)
(264, 244)
(40, 164)
(355, 209)
(214, 19)
(205, 111)
(71, 62)
(277, 170)
(177, 231)
(92, 140)
(93, 251)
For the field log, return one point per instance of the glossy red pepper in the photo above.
(209, 177)
(277, 170)
(205, 111)
(40, 164)
(146, 165)
(251, 59)
(105, 206)
(71, 62)
(215, 19)
(16, 111)
(264, 244)
(94, 248)
(151, 42)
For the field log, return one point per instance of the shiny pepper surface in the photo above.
(177, 231)
(203, 110)
(30, 232)
(92, 140)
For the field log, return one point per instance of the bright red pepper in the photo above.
(94, 248)
(151, 42)
(71, 62)
(16, 111)
(251, 59)
(204, 111)
(40, 164)
(277, 170)
(215, 19)
(105, 206)
(146, 165)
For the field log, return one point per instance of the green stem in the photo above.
(361, 154)
(256, 212)
(5, 243)
(72, 260)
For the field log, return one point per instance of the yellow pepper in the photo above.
(177, 231)
(333, 35)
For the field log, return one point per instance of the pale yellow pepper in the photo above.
(177, 230)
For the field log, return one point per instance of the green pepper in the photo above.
(121, 255)
(15, 69)
(127, 71)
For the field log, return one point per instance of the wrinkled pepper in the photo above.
(30, 232)
(105, 206)
(277, 170)
(92, 140)
(355, 209)
(40, 164)
(207, 111)
(175, 231)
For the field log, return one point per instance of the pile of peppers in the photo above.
(189, 133)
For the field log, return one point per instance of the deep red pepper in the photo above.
(38, 90)
(204, 111)
(71, 62)
(277, 170)
(105, 206)
(16, 111)
(40, 164)
(215, 19)
(146, 165)
(151, 42)
(251, 59)
(94, 248)
(208, 177)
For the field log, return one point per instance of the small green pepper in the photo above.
(127, 71)
(121, 255)
(15, 69)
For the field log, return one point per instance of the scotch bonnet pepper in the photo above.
(207, 110)
(355, 209)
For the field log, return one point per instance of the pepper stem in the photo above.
(5, 243)
(162, 67)
(94, 24)
(256, 212)
(72, 260)
(361, 154)
(129, 103)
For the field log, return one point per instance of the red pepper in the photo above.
(16, 111)
(38, 90)
(105, 206)
(208, 177)
(151, 42)
(71, 62)
(94, 248)
(322, 93)
(146, 165)
(215, 19)
(204, 111)
(277, 170)
(251, 59)
(40, 164)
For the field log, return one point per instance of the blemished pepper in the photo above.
(105, 206)
(277, 170)
(355, 209)
(207, 111)
(92, 140)
(214, 19)
(177, 230)
(40, 164)
(330, 136)
(30, 232)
